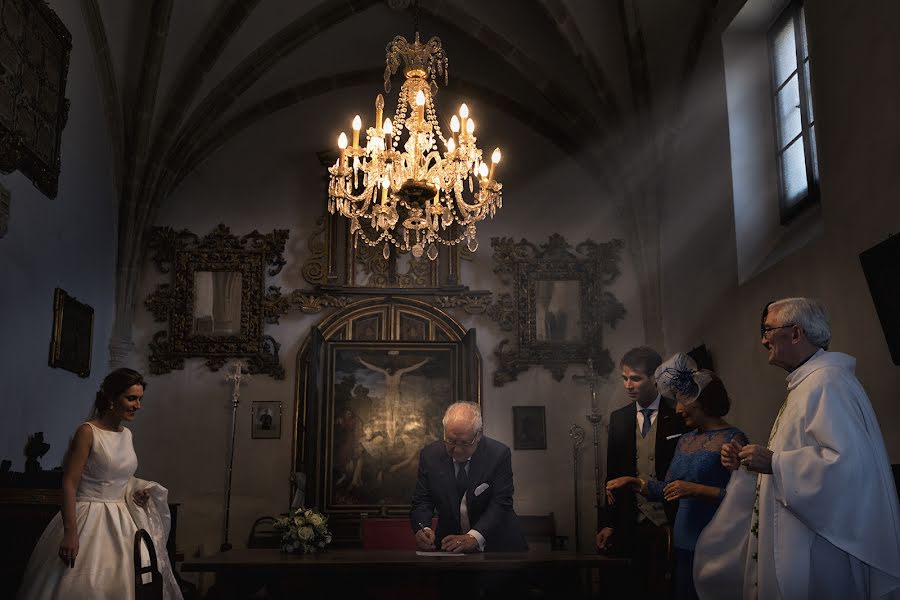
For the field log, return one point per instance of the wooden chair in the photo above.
(263, 534)
(152, 589)
(389, 534)
(542, 530)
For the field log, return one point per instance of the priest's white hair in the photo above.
(809, 315)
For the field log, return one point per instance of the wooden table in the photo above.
(372, 573)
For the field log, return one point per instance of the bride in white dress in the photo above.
(87, 549)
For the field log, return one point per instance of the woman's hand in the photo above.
(680, 489)
(636, 485)
(68, 549)
(730, 459)
(140, 497)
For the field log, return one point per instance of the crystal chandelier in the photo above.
(409, 185)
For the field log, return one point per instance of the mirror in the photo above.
(557, 315)
(217, 302)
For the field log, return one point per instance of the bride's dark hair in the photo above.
(114, 384)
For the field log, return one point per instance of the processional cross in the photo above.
(592, 380)
(237, 377)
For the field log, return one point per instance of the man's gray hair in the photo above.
(464, 411)
(809, 315)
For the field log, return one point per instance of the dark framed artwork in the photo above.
(34, 64)
(265, 421)
(72, 337)
(385, 402)
(216, 302)
(529, 428)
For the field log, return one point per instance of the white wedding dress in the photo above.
(104, 568)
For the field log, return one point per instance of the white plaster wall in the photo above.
(853, 51)
(68, 242)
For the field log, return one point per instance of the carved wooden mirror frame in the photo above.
(572, 286)
(185, 254)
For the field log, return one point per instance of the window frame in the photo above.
(789, 212)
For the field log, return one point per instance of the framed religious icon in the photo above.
(265, 422)
(529, 428)
(385, 402)
(72, 337)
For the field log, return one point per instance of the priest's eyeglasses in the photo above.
(764, 331)
(458, 444)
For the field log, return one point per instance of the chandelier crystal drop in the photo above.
(411, 186)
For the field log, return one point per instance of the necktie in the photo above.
(462, 479)
(645, 429)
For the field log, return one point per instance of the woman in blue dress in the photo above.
(696, 478)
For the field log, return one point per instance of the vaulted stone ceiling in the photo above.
(182, 78)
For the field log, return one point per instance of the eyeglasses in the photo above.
(764, 331)
(454, 444)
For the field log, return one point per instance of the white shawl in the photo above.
(156, 519)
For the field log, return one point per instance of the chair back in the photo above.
(150, 588)
(540, 532)
(263, 534)
(389, 534)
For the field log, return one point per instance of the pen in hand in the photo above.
(425, 534)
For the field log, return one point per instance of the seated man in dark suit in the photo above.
(467, 478)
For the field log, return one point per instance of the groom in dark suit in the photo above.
(467, 478)
(642, 440)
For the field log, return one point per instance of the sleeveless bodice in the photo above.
(109, 466)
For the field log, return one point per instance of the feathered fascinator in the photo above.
(679, 378)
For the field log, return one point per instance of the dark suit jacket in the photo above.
(621, 460)
(490, 513)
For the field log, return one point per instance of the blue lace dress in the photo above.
(697, 459)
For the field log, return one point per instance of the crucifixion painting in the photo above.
(387, 405)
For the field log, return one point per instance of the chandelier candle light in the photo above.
(433, 189)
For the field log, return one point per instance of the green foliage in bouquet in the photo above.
(304, 531)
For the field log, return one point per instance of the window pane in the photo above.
(784, 51)
(793, 174)
(787, 103)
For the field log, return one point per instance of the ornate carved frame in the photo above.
(34, 64)
(183, 254)
(522, 265)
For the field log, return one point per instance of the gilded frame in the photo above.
(184, 255)
(72, 337)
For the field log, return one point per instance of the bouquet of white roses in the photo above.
(303, 531)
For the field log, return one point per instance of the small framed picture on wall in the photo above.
(529, 428)
(266, 419)
(72, 335)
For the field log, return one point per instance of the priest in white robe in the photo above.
(814, 514)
